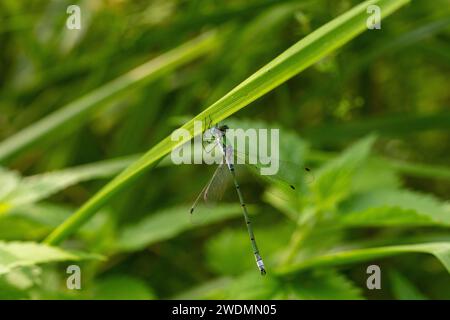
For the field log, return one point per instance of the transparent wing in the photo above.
(215, 188)
(285, 173)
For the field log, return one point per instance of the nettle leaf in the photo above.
(441, 250)
(10, 292)
(394, 208)
(18, 254)
(121, 288)
(213, 289)
(252, 285)
(33, 189)
(21, 283)
(42, 214)
(169, 223)
(24, 229)
(229, 252)
(314, 285)
(9, 181)
(402, 288)
(35, 221)
(375, 174)
(325, 285)
(333, 181)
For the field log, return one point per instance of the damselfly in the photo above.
(214, 188)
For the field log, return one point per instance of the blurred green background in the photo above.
(385, 190)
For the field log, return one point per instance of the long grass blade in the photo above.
(75, 112)
(301, 55)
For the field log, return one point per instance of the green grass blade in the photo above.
(441, 250)
(78, 110)
(291, 62)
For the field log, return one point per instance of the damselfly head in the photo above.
(223, 128)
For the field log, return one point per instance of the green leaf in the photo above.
(323, 285)
(34, 222)
(212, 289)
(76, 112)
(122, 288)
(441, 250)
(229, 252)
(314, 285)
(291, 62)
(402, 288)
(373, 175)
(32, 189)
(333, 181)
(44, 214)
(18, 254)
(252, 285)
(394, 208)
(169, 223)
(9, 181)
(24, 228)
(10, 292)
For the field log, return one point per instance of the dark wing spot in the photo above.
(307, 169)
(192, 210)
(292, 187)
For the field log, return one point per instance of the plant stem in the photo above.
(300, 234)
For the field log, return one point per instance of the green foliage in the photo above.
(19, 192)
(351, 105)
(327, 285)
(169, 223)
(333, 182)
(403, 289)
(439, 250)
(394, 207)
(322, 285)
(121, 288)
(18, 254)
(78, 110)
(227, 254)
(294, 60)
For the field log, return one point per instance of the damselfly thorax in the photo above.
(219, 134)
